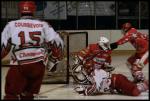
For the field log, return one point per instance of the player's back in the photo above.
(26, 32)
(27, 37)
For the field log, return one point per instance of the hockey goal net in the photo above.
(73, 43)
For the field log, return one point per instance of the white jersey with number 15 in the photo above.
(27, 38)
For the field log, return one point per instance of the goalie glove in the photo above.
(113, 45)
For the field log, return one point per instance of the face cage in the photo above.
(105, 46)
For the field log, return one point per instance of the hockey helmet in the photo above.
(27, 7)
(104, 43)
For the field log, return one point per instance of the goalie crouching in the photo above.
(94, 63)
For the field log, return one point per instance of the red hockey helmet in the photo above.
(126, 26)
(27, 7)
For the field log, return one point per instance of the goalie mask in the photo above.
(104, 43)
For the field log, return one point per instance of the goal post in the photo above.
(73, 43)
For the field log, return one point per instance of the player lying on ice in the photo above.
(93, 64)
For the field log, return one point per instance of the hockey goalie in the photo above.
(94, 64)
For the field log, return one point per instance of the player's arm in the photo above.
(126, 38)
(5, 42)
(54, 45)
(55, 48)
(54, 42)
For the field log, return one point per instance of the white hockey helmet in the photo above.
(104, 43)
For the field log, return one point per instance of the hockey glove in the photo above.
(113, 45)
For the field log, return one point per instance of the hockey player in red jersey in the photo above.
(27, 38)
(139, 59)
(95, 62)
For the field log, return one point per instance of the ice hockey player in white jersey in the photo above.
(26, 37)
